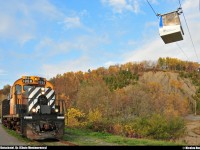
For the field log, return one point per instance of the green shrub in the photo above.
(159, 127)
(101, 126)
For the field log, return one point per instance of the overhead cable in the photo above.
(189, 32)
(152, 9)
(158, 17)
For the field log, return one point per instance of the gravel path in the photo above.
(6, 139)
(191, 138)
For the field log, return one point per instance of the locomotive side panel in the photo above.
(5, 107)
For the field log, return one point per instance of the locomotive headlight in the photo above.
(33, 110)
(56, 110)
(42, 90)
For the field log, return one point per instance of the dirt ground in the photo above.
(7, 139)
(192, 136)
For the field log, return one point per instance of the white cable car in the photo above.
(170, 28)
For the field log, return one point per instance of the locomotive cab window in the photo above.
(18, 89)
(26, 87)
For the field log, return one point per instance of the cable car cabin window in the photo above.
(171, 19)
(18, 89)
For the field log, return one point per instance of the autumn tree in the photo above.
(93, 94)
(6, 89)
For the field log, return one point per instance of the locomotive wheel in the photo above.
(18, 129)
(8, 125)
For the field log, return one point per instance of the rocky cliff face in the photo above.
(171, 82)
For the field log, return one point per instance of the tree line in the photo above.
(114, 100)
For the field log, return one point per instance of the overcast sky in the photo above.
(50, 37)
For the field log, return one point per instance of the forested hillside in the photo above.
(145, 99)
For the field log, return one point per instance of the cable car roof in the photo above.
(169, 13)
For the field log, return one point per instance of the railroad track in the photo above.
(53, 143)
(68, 143)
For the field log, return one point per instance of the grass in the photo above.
(84, 137)
(89, 138)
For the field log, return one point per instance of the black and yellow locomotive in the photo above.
(32, 109)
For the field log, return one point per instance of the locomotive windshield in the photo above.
(26, 87)
(18, 89)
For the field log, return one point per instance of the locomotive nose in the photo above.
(44, 107)
(43, 100)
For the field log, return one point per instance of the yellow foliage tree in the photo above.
(75, 117)
(94, 116)
(129, 131)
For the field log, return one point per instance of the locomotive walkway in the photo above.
(6, 139)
